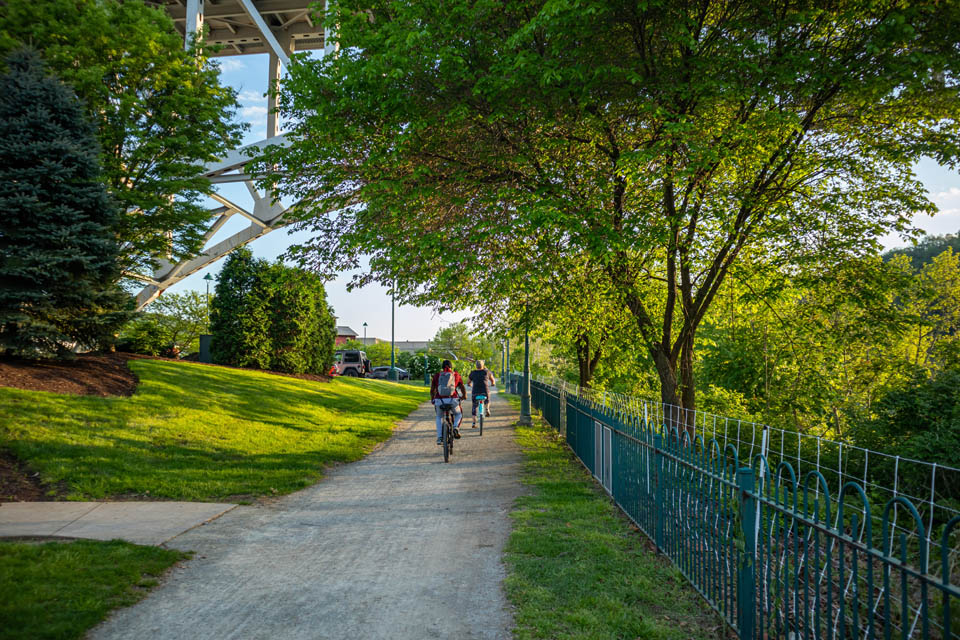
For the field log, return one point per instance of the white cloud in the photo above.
(232, 64)
(252, 96)
(253, 113)
(950, 195)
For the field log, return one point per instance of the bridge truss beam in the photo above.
(242, 27)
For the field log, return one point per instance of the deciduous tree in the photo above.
(661, 140)
(160, 112)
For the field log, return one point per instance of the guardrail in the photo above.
(777, 555)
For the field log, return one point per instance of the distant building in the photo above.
(412, 346)
(344, 334)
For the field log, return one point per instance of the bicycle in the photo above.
(447, 432)
(481, 403)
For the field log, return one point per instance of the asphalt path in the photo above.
(398, 545)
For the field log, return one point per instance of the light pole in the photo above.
(393, 349)
(364, 335)
(206, 339)
(525, 392)
(502, 360)
(506, 375)
(208, 278)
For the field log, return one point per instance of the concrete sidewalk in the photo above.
(397, 546)
(150, 523)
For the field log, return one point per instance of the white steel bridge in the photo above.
(239, 27)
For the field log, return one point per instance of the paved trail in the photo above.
(398, 545)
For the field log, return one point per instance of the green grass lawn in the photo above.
(196, 432)
(576, 566)
(59, 590)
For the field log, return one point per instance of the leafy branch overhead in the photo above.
(658, 141)
(160, 112)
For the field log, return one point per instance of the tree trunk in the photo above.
(586, 360)
(669, 388)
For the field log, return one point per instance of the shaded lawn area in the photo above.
(197, 432)
(577, 568)
(60, 590)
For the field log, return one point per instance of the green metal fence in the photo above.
(775, 555)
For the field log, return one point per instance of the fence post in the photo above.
(746, 571)
(658, 503)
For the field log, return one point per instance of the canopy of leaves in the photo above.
(160, 112)
(657, 141)
(925, 250)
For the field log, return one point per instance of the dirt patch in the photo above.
(105, 374)
(19, 484)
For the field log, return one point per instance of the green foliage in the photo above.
(197, 432)
(59, 590)
(660, 144)
(928, 247)
(379, 354)
(416, 365)
(301, 327)
(459, 341)
(239, 316)
(351, 345)
(271, 317)
(147, 334)
(160, 112)
(918, 419)
(58, 254)
(173, 324)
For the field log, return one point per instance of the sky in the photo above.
(372, 304)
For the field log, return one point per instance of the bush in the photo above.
(173, 326)
(146, 334)
(271, 317)
(919, 420)
(416, 365)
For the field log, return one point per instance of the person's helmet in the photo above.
(446, 364)
(479, 364)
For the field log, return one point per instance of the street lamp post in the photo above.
(525, 392)
(364, 335)
(503, 361)
(208, 278)
(206, 339)
(393, 349)
(506, 375)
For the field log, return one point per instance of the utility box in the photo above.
(204, 356)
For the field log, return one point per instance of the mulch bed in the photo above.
(105, 374)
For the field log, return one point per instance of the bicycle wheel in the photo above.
(447, 439)
(451, 433)
(481, 412)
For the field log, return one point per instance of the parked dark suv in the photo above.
(351, 363)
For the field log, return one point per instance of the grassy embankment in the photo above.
(191, 432)
(579, 569)
(196, 432)
(60, 590)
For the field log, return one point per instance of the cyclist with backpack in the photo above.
(479, 378)
(447, 390)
